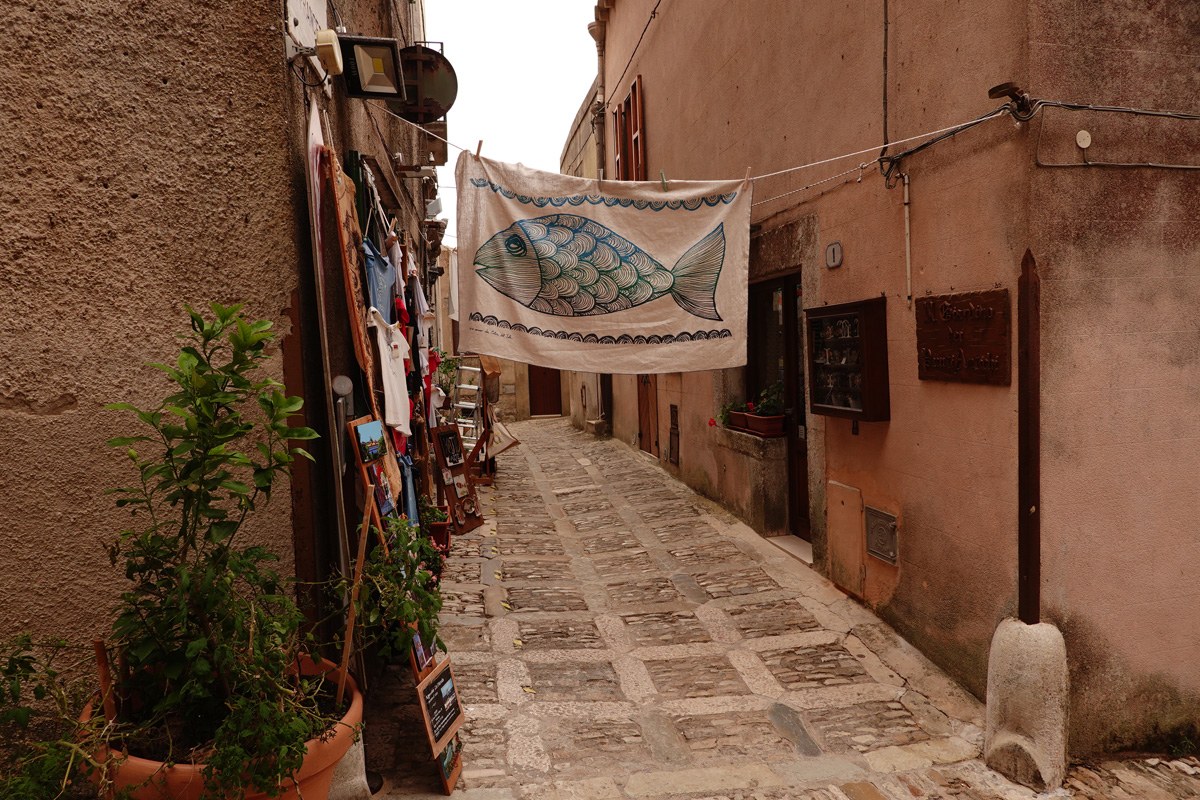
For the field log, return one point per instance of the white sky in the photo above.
(523, 69)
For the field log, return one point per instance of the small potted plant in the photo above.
(766, 414)
(731, 415)
(435, 522)
(400, 594)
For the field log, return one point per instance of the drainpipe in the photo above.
(907, 242)
(1029, 468)
(598, 30)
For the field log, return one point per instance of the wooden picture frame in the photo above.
(452, 459)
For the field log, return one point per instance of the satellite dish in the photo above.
(430, 85)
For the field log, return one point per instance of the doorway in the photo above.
(648, 413)
(545, 392)
(777, 354)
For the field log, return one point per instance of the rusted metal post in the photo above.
(1029, 379)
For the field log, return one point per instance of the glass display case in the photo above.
(847, 360)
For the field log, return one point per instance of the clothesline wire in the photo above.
(1004, 109)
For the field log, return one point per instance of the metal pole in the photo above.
(1029, 519)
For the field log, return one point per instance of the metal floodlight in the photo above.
(372, 67)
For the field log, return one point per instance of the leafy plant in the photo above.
(770, 401)
(447, 372)
(726, 408)
(430, 513)
(209, 629)
(399, 594)
(45, 750)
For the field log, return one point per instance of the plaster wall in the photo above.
(130, 197)
(791, 84)
(149, 170)
(1119, 258)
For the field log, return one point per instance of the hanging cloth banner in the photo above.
(632, 279)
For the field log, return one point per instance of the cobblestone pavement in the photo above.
(613, 635)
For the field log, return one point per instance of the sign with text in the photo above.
(965, 337)
(440, 706)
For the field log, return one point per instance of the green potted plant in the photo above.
(435, 522)
(400, 594)
(766, 414)
(216, 691)
(731, 414)
(209, 630)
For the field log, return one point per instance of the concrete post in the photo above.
(1027, 696)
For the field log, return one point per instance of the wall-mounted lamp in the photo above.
(372, 67)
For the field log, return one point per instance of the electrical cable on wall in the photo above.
(653, 14)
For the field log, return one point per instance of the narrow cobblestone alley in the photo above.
(613, 635)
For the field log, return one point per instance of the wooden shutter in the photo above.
(637, 130)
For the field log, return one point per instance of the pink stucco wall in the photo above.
(1119, 256)
(794, 83)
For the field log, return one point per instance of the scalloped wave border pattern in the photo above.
(691, 204)
(591, 338)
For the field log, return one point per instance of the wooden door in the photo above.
(648, 413)
(776, 355)
(794, 407)
(545, 391)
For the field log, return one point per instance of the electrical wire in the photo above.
(300, 77)
(653, 14)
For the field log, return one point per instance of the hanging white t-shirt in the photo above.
(393, 349)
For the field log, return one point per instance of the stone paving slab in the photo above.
(616, 636)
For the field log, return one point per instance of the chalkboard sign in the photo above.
(440, 706)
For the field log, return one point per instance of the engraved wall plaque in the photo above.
(965, 337)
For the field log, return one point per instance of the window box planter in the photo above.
(765, 426)
(737, 419)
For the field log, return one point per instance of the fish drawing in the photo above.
(569, 266)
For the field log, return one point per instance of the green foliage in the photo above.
(447, 372)
(430, 513)
(399, 592)
(770, 401)
(723, 414)
(45, 751)
(209, 628)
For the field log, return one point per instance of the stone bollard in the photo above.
(1027, 697)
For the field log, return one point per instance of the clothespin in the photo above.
(478, 149)
(601, 183)
(747, 173)
(663, 175)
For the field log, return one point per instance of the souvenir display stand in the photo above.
(454, 477)
(368, 271)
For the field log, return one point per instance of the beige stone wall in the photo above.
(149, 168)
(1119, 258)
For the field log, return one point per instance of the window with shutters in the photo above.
(629, 140)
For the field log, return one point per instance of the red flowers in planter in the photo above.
(712, 423)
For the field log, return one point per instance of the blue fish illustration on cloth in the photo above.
(569, 266)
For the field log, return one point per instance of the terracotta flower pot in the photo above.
(186, 781)
(439, 532)
(767, 426)
(737, 419)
